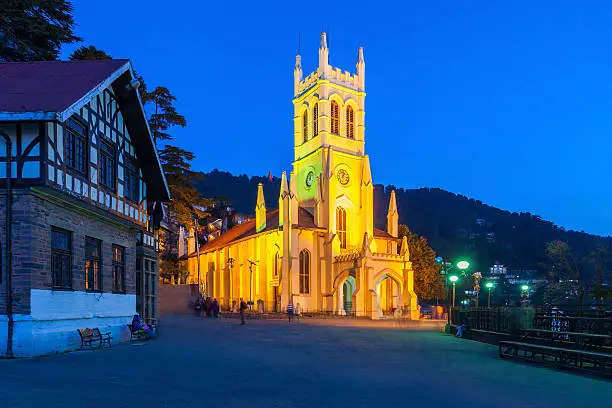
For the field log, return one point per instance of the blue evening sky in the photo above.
(506, 102)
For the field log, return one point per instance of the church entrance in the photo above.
(275, 300)
(389, 296)
(345, 300)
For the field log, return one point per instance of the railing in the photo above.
(512, 320)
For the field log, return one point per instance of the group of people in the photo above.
(209, 306)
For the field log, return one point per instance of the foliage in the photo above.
(428, 283)
(165, 115)
(88, 53)
(561, 293)
(34, 30)
(177, 168)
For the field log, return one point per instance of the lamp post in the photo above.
(489, 285)
(453, 279)
(230, 265)
(251, 263)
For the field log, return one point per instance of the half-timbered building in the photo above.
(85, 188)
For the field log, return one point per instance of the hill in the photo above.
(455, 225)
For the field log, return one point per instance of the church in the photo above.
(319, 250)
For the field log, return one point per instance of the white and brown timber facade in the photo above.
(87, 189)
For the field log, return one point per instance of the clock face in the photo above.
(309, 179)
(343, 177)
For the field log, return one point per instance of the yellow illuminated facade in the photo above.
(320, 249)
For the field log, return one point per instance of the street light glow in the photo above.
(525, 287)
(489, 285)
(453, 278)
(463, 265)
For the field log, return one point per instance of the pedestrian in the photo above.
(290, 311)
(243, 307)
(234, 306)
(460, 329)
(208, 307)
(215, 308)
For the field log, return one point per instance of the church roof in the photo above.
(248, 228)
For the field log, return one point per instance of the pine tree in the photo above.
(35, 30)
(165, 115)
(89, 53)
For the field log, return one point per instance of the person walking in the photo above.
(243, 307)
(290, 311)
(215, 308)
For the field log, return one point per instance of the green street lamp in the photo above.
(453, 279)
(524, 294)
(524, 288)
(489, 285)
(463, 265)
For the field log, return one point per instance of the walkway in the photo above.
(205, 363)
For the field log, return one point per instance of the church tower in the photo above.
(332, 171)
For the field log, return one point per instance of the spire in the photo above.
(365, 245)
(360, 69)
(323, 56)
(284, 192)
(297, 74)
(392, 216)
(404, 248)
(260, 210)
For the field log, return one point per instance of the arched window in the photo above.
(341, 226)
(335, 118)
(276, 264)
(350, 123)
(304, 271)
(305, 126)
(315, 120)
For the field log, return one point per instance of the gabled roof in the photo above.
(55, 90)
(247, 228)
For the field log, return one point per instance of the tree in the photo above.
(165, 115)
(566, 274)
(89, 53)
(35, 30)
(428, 283)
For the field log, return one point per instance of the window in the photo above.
(304, 271)
(350, 122)
(341, 226)
(76, 146)
(315, 120)
(305, 126)
(107, 164)
(131, 181)
(335, 118)
(277, 264)
(118, 268)
(93, 260)
(61, 258)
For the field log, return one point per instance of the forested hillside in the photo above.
(454, 225)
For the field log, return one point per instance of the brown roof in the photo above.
(381, 234)
(51, 86)
(246, 229)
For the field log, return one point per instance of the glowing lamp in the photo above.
(453, 278)
(463, 265)
(525, 288)
(489, 285)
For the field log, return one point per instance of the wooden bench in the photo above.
(560, 356)
(138, 334)
(91, 336)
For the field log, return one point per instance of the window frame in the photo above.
(305, 126)
(70, 153)
(97, 287)
(277, 265)
(350, 122)
(118, 267)
(315, 120)
(65, 255)
(131, 175)
(304, 273)
(103, 157)
(335, 118)
(341, 226)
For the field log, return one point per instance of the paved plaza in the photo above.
(208, 363)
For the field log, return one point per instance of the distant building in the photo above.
(497, 270)
(86, 187)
